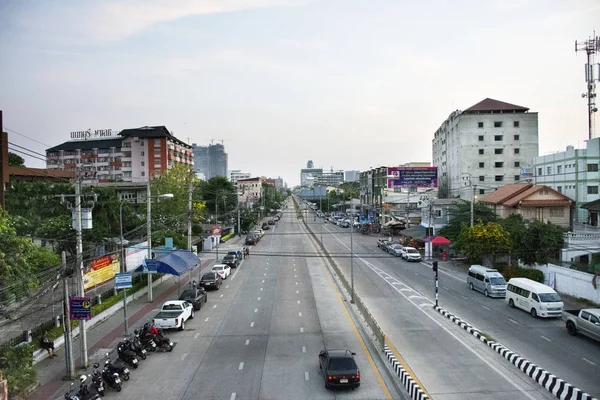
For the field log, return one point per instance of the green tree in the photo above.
(15, 160)
(515, 226)
(541, 243)
(221, 198)
(460, 214)
(489, 240)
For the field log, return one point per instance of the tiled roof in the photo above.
(152, 132)
(495, 105)
(591, 206)
(522, 197)
(504, 193)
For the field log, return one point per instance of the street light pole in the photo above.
(149, 235)
(124, 267)
(352, 263)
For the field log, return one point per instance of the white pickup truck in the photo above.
(586, 322)
(173, 315)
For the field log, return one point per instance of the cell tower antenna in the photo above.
(592, 74)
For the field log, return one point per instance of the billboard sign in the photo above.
(216, 230)
(527, 172)
(416, 177)
(123, 281)
(135, 255)
(100, 270)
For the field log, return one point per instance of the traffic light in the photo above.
(435, 266)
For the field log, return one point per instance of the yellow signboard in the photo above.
(100, 270)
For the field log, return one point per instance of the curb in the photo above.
(414, 390)
(555, 385)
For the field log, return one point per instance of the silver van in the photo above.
(488, 281)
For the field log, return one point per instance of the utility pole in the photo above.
(407, 222)
(67, 320)
(149, 234)
(352, 262)
(82, 323)
(472, 203)
(592, 71)
(190, 214)
(3, 163)
(217, 224)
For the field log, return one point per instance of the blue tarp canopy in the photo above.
(176, 262)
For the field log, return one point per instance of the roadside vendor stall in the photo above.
(436, 244)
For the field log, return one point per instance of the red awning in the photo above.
(437, 240)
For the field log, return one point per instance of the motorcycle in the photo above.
(136, 347)
(119, 369)
(145, 339)
(69, 395)
(127, 355)
(111, 378)
(97, 380)
(83, 393)
(158, 337)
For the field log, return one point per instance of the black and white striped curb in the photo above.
(413, 388)
(555, 385)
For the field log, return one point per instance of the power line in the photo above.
(25, 136)
(25, 148)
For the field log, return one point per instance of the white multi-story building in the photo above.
(133, 155)
(484, 147)
(352, 176)
(251, 190)
(237, 174)
(574, 173)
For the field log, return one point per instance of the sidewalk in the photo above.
(103, 337)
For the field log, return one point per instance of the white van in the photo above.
(537, 299)
(488, 281)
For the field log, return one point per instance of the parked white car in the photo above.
(173, 315)
(222, 269)
(411, 254)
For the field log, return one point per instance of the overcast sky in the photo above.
(349, 84)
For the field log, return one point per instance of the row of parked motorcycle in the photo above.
(112, 374)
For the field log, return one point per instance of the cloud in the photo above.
(112, 20)
(565, 17)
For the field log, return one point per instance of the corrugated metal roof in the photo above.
(87, 144)
(495, 105)
(152, 132)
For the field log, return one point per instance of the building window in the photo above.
(499, 178)
(498, 151)
(142, 163)
(481, 178)
(497, 124)
(516, 137)
(157, 152)
(498, 164)
(481, 165)
(515, 124)
(559, 189)
(481, 191)
(143, 173)
(539, 172)
(592, 167)
(592, 189)
(142, 154)
(517, 151)
(481, 138)
(557, 212)
(558, 169)
(498, 138)
(157, 163)
(437, 213)
(548, 170)
(517, 178)
(517, 164)
(156, 142)
(480, 124)
(481, 151)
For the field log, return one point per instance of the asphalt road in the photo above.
(389, 283)
(259, 336)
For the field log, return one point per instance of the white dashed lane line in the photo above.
(241, 366)
(304, 349)
(247, 342)
(206, 319)
(585, 359)
(513, 321)
(545, 338)
(251, 324)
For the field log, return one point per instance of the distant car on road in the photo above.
(383, 243)
(173, 315)
(211, 280)
(395, 249)
(237, 253)
(230, 260)
(252, 239)
(197, 297)
(339, 369)
(222, 269)
(411, 254)
(586, 322)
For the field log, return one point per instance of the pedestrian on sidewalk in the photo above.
(48, 345)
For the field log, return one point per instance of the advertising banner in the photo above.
(135, 255)
(100, 270)
(416, 177)
(216, 230)
(80, 308)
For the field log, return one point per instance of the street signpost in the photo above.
(81, 308)
(123, 281)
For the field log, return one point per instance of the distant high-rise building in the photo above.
(352, 176)
(210, 160)
(331, 178)
(236, 174)
(309, 164)
(310, 176)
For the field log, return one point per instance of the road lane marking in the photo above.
(545, 338)
(215, 306)
(295, 276)
(241, 366)
(206, 319)
(247, 342)
(226, 286)
(305, 375)
(219, 296)
(406, 290)
(301, 330)
(256, 310)
(464, 297)
(434, 320)
(425, 305)
(304, 349)
(513, 321)
(445, 287)
(585, 359)
(296, 283)
(183, 356)
(487, 308)
(261, 288)
(251, 324)
(263, 281)
(297, 291)
(258, 299)
(298, 301)
(415, 296)
(299, 314)
(196, 335)
(232, 396)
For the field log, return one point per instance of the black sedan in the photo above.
(339, 369)
(230, 260)
(211, 280)
(237, 253)
(251, 240)
(196, 297)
